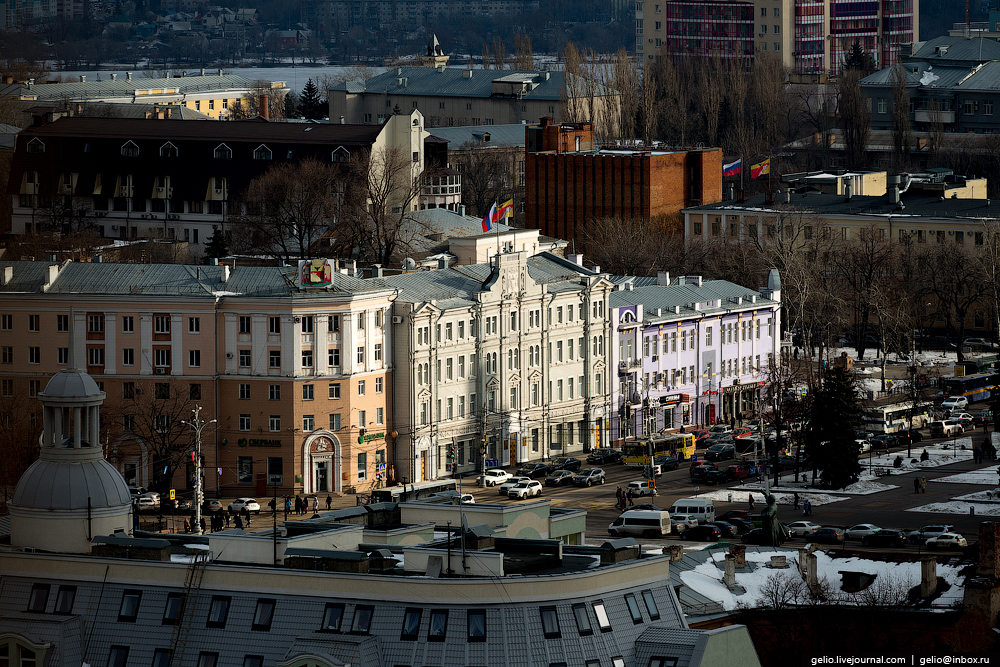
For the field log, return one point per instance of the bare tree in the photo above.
(20, 426)
(571, 96)
(489, 175)
(248, 106)
(152, 411)
(855, 116)
(952, 274)
(285, 210)
(864, 264)
(524, 57)
(631, 246)
(902, 136)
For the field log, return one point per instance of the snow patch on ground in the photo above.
(706, 578)
(956, 507)
(987, 476)
(742, 495)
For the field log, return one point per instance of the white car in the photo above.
(155, 496)
(682, 522)
(955, 416)
(861, 530)
(146, 503)
(521, 490)
(946, 540)
(802, 528)
(239, 504)
(495, 476)
(864, 445)
(511, 483)
(467, 499)
(955, 403)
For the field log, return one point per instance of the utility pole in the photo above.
(197, 424)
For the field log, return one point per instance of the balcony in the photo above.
(927, 116)
(627, 365)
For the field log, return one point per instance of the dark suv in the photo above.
(720, 453)
(604, 456)
(564, 463)
(535, 470)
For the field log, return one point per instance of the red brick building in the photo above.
(568, 183)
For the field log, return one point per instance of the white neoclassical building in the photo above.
(502, 361)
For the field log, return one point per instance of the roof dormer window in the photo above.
(130, 149)
(168, 150)
(36, 146)
(223, 152)
(262, 152)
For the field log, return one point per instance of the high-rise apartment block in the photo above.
(812, 37)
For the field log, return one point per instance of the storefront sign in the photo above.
(258, 442)
(674, 399)
(370, 436)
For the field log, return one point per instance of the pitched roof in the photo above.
(453, 82)
(957, 48)
(122, 87)
(500, 135)
(677, 294)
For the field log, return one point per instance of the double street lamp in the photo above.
(197, 425)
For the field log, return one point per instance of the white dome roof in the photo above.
(72, 383)
(62, 485)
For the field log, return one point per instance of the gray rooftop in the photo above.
(500, 135)
(655, 297)
(123, 87)
(452, 82)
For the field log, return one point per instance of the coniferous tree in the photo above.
(311, 105)
(834, 416)
(859, 59)
(216, 246)
(292, 106)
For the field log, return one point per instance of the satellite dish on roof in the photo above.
(409, 263)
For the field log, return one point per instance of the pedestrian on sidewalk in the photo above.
(923, 485)
(795, 500)
(750, 499)
(329, 501)
(916, 485)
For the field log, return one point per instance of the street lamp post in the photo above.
(197, 424)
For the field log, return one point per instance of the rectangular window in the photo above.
(476, 625)
(654, 613)
(218, 612)
(362, 623)
(194, 325)
(33, 323)
(62, 322)
(332, 616)
(274, 423)
(335, 421)
(307, 324)
(582, 619)
(129, 609)
(307, 358)
(244, 358)
(194, 358)
(361, 355)
(245, 324)
(62, 355)
(274, 326)
(35, 355)
(438, 627)
(334, 390)
(361, 389)
(64, 600)
(333, 357)
(118, 656)
(7, 354)
(172, 610)
(633, 608)
(263, 615)
(308, 423)
(274, 358)
(244, 422)
(411, 624)
(161, 658)
(244, 392)
(603, 622)
(362, 467)
(161, 324)
(333, 323)
(207, 659)
(550, 622)
(307, 392)
(39, 598)
(274, 392)
(253, 661)
(7, 322)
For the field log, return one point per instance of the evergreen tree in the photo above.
(834, 416)
(216, 246)
(292, 105)
(859, 59)
(311, 105)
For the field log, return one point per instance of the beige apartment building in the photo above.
(292, 363)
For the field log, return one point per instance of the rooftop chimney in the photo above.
(662, 278)
(265, 108)
(83, 78)
(8, 275)
(128, 76)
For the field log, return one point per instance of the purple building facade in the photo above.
(689, 352)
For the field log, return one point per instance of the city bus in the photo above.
(404, 492)
(636, 452)
(894, 418)
(977, 387)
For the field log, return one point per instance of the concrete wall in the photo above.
(528, 520)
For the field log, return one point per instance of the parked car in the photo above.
(535, 470)
(145, 503)
(682, 522)
(700, 437)
(604, 456)
(955, 403)
(560, 478)
(754, 536)
(734, 514)
(641, 488)
(510, 483)
(737, 471)
(947, 541)
(803, 528)
(240, 504)
(741, 432)
(858, 531)
(720, 452)
(921, 535)
(589, 477)
(967, 424)
(959, 414)
(883, 441)
(706, 533)
(727, 529)
(786, 462)
(666, 462)
(212, 506)
(699, 471)
(136, 491)
(714, 477)
(862, 434)
(645, 507)
(564, 463)
(978, 342)
(181, 504)
(720, 428)
(909, 436)
(522, 490)
(467, 499)
(828, 534)
(885, 538)
(742, 526)
(495, 476)
(945, 428)
(983, 418)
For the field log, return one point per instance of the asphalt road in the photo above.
(885, 509)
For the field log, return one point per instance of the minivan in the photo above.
(646, 523)
(702, 509)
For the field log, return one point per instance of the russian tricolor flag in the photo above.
(490, 216)
(732, 168)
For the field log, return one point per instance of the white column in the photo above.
(291, 347)
(319, 344)
(80, 326)
(258, 345)
(177, 360)
(110, 346)
(146, 343)
(231, 323)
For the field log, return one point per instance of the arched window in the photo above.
(262, 152)
(18, 651)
